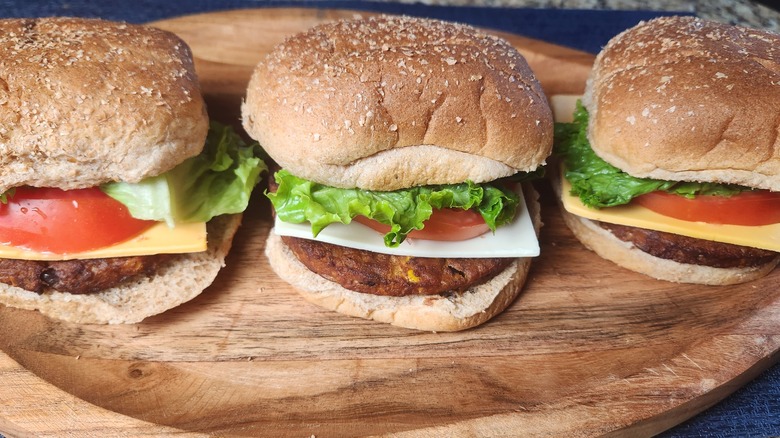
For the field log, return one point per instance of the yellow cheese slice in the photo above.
(764, 237)
(159, 239)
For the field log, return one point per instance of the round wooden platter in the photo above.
(587, 349)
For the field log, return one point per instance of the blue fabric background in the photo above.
(586, 30)
(753, 410)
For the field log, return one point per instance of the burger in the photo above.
(423, 130)
(117, 200)
(670, 167)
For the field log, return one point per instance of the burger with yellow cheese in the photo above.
(671, 165)
(118, 200)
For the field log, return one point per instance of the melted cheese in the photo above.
(159, 239)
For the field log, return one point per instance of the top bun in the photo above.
(683, 99)
(394, 102)
(84, 102)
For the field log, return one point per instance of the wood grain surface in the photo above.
(588, 348)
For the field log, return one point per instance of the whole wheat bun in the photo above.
(684, 99)
(185, 277)
(459, 311)
(84, 102)
(394, 102)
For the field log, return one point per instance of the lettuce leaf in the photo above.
(8, 194)
(218, 181)
(600, 184)
(297, 200)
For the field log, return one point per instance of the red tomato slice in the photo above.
(753, 208)
(65, 221)
(444, 224)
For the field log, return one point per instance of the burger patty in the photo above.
(683, 249)
(76, 276)
(389, 275)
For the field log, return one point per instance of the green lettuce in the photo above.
(297, 200)
(600, 184)
(216, 182)
(8, 194)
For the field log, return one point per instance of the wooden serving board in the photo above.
(587, 349)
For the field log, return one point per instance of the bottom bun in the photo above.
(625, 254)
(454, 312)
(174, 283)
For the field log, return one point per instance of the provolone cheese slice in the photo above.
(563, 106)
(159, 239)
(517, 239)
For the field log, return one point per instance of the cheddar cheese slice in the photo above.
(764, 237)
(159, 239)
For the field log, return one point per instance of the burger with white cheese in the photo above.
(671, 165)
(112, 207)
(420, 129)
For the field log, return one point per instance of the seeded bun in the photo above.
(177, 282)
(331, 105)
(683, 99)
(457, 311)
(84, 102)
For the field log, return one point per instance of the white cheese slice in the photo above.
(159, 239)
(563, 106)
(517, 239)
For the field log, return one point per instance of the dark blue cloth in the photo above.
(753, 410)
(580, 29)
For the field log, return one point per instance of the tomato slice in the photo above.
(444, 224)
(753, 208)
(65, 221)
